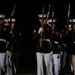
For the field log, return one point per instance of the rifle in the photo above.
(48, 14)
(11, 46)
(68, 15)
(42, 26)
(52, 18)
(12, 13)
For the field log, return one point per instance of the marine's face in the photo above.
(12, 25)
(70, 28)
(1, 22)
(6, 24)
(42, 21)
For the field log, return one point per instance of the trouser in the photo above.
(15, 60)
(64, 57)
(51, 65)
(40, 57)
(56, 63)
(73, 64)
(9, 64)
(2, 63)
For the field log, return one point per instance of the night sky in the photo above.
(26, 14)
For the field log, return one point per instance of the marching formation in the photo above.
(9, 45)
(53, 46)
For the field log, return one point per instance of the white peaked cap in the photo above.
(5, 20)
(40, 15)
(73, 20)
(68, 25)
(9, 19)
(70, 20)
(50, 20)
(2, 16)
(13, 19)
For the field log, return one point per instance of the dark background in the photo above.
(26, 14)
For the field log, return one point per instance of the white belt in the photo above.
(55, 42)
(45, 40)
(3, 40)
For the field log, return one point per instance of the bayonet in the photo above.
(68, 15)
(13, 11)
(52, 18)
(48, 12)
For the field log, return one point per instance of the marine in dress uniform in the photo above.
(9, 45)
(71, 46)
(3, 42)
(51, 23)
(43, 51)
(8, 52)
(16, 45)
(57, 50)
(65, 55)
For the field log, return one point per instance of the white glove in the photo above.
(7, 44)
(7, 52)
(61, 53)
(40, 30)
(51, 52)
